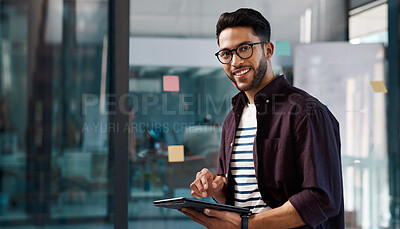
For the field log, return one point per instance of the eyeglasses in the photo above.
(243, 51)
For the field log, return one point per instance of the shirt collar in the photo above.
(271, 89)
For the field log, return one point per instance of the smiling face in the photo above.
(249, 75)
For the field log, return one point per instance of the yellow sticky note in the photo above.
(176, 153)
(378, 86)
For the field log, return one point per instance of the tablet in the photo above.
(198, 205)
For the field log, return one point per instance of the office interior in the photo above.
(64, 111)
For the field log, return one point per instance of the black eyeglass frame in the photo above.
(235, 49)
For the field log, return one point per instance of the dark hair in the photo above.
(245, 17)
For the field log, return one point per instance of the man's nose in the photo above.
(236, 60)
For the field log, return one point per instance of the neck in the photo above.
(268, 78)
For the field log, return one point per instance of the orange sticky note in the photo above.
(378, 86)
(176, 153)
(171, 83)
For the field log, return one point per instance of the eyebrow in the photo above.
(242, 43)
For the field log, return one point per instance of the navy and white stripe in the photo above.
(242, 164)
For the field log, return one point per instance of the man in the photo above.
(280, 147)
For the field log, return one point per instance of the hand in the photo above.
(207, 184)
(214, 219)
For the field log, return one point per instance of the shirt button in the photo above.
(267, 101)
(226, 175)
(231, 144)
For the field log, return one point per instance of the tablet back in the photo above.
(198, 205)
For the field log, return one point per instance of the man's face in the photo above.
(246, 74)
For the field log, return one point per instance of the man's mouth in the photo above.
(241, 72)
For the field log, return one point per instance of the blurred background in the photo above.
(59, 123)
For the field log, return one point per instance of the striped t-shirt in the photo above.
(242, 164)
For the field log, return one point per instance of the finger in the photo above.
(204, 182)
(197, 214)
(200, 186)
(205, 171)
(223, 215)
(213, 213)
(195, 195)
(210, 177)
(194, 188)
(197, 186)
(198, 217)
(203, 176)
(202, 173)
(193, 218)
(218, 183)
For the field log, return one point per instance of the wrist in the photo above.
(252, 221)
(220, 196)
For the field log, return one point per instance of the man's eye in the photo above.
(225, 54)
(244, 48)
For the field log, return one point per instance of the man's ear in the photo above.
(269, 49)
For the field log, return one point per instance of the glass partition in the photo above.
(13, 109)
(179, 95)
(173, 106)
(54, 154)
(79, 157)
(56, 127)
(350, 93)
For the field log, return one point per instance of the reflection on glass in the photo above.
(344, 86)
(162, 116)
(13, 109)
(53, 138)
(80, 152)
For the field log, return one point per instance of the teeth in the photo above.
(242, 72)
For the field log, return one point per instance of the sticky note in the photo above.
(171, 83)
(282, 48)
(378, 86)
(176, 153)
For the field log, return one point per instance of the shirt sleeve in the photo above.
(317, 149)
(221, 154)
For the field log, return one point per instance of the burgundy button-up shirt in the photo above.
(296, 153)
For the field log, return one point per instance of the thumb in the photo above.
(218, 183)
(214, 213)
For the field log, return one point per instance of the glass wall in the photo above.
(183, 36)
(79, 133)
(13, 111)
(54, 154)
(179, 94)
(190, 116)
(366, 170)
(360, 111)
(369, 24)
(171, 105)
(56, 131)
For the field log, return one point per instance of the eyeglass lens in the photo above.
(244, 51)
